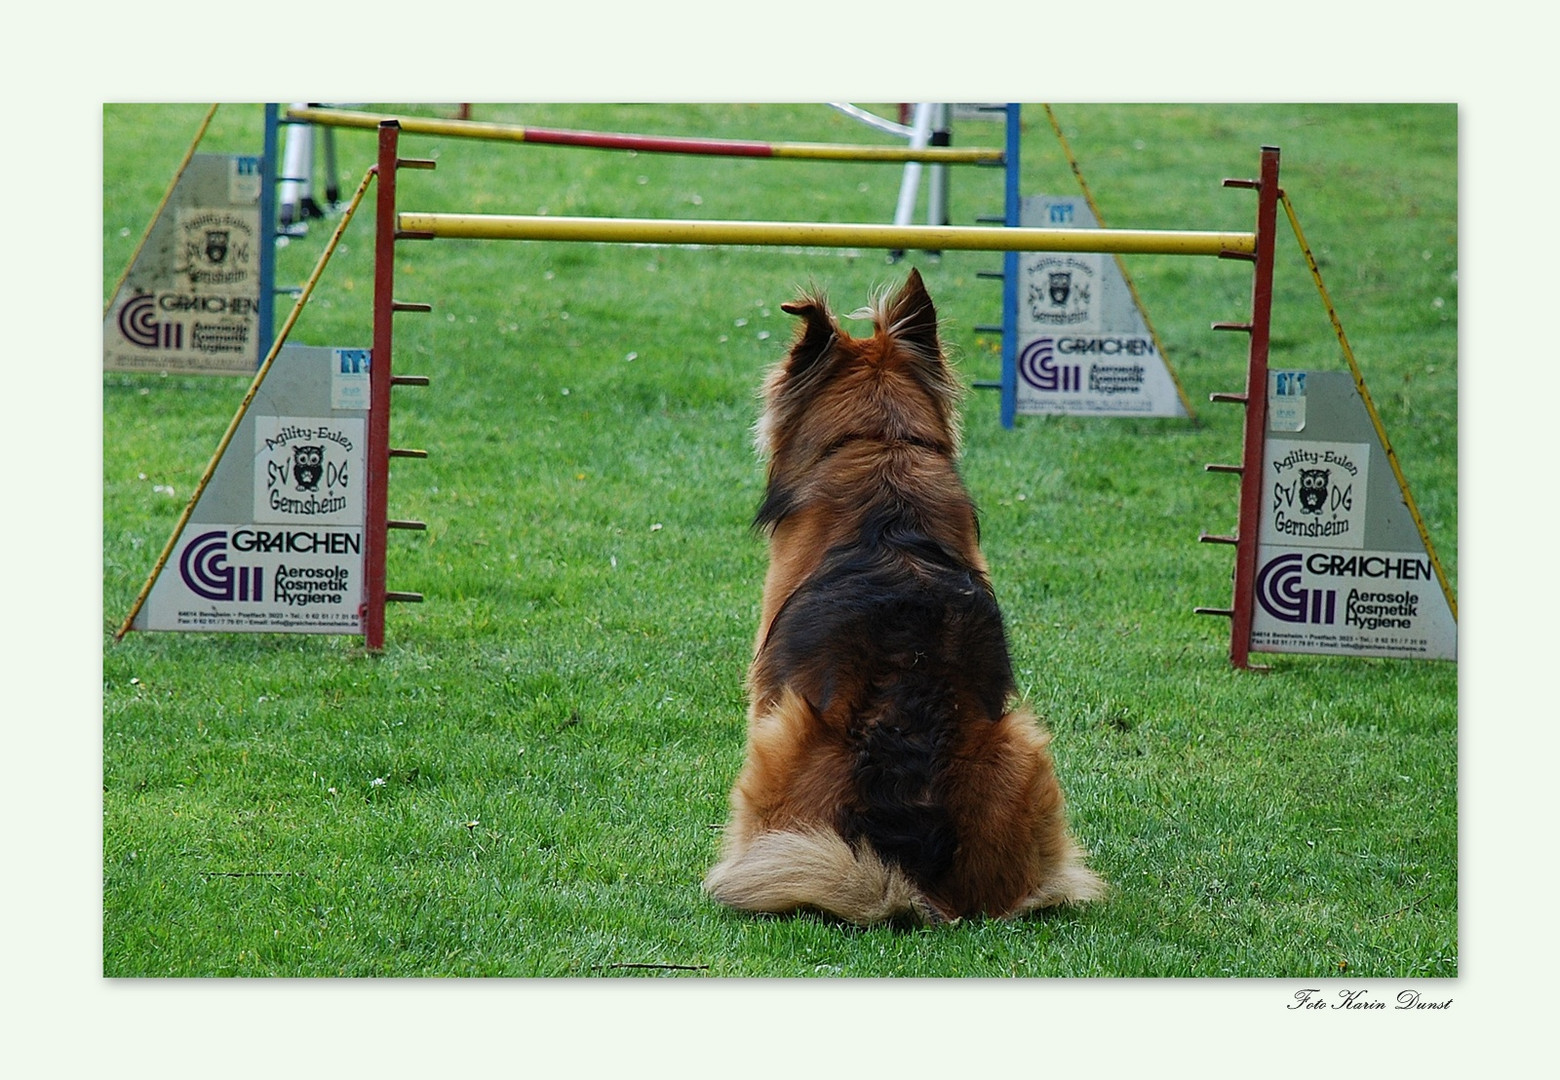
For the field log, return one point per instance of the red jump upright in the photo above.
(1254, 398)
(376, 519)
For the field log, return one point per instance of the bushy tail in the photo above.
(783, 871)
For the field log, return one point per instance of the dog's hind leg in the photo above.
(1068, 881)
(782, 851)
(1017, 853)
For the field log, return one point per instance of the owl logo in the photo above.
(1313, 490)
(308, 465)
(1058, 285)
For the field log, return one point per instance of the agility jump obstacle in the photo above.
(1265, 574)
(394, 226)
(1022, 388)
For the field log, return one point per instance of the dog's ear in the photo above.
(816, 334)
(912, 318)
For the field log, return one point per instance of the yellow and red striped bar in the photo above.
(651, 144)
(821, 234)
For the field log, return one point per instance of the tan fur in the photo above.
(783, 871)
(857, 431)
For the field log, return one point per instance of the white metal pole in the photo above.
(909, 184)
(937, 180)
(297, 163)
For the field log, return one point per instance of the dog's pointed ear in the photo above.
(912, 317)
(816, 334)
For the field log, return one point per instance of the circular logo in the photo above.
(1036, 364)
(1279, 591)
(204, 566)
(138, 321)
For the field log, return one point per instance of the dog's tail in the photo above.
(783, 871)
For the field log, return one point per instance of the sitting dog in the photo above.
(889, 772)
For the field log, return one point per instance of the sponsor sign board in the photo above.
(1083, 346)
(190, 301)
(275, 541)
(1341, 567)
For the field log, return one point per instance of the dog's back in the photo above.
(886, 773)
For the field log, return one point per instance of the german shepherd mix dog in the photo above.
(889, 773)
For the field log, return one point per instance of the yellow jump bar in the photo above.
(817, 234)
(654, 144)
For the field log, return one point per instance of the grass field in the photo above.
(530, 779)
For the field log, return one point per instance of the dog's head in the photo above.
(832, 388)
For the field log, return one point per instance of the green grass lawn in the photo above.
(530, 779)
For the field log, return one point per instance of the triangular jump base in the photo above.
(1341, 567)
(275, 539)
(1332, 556)
(1083, 344)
